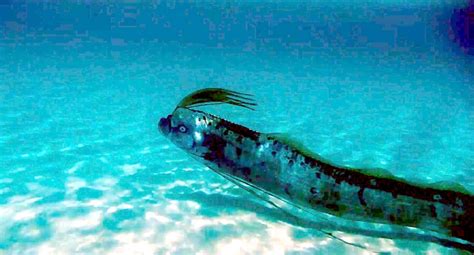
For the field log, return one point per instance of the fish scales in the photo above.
(287, 172)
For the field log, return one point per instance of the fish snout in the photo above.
(165, 125)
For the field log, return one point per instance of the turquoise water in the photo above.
(84, 169)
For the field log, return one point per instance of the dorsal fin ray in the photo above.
(217, 96)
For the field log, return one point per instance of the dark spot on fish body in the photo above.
(226, 132)
(277, 147)
(274, 153)
(314, 201)
(392, 218)
(287, 189)
(219, 154)
(332, 207)
(238, 151)
(208, 156)
(347, 176)
(360, 194)
(246, 171)
(239, 139)
(318, 175)
(290, 163)
(313, 190)
(399, 211)
(433, 211)
(216, 145)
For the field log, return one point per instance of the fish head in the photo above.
(194, 130)
(186, 128)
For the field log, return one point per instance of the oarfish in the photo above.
(285, 169)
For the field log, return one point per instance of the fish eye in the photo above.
(182, 129)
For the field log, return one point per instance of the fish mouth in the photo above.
(164, 125)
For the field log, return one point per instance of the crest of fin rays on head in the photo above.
(215, 96)
(211, 96)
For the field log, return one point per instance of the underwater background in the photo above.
(84, 170)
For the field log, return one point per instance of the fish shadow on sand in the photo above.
(402, 237)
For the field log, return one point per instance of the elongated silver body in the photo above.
(287, 171)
